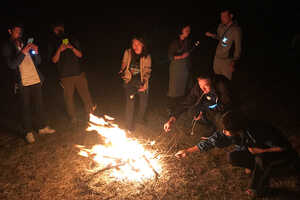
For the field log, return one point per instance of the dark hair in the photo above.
(233, 121)
(145, 51)
(182, 26)
(230, 11)
(57, 24)
(204, 75)
(15, 25)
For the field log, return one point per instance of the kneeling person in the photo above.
(211, 95)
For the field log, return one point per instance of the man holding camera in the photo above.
(66, 53)
(24, 59)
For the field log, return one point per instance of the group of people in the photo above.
(23, 57)
(259, 147)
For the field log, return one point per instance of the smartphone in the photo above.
(65, 41)
(30, 40)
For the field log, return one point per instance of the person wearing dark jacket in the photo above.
(259, 148)
(180, 64)
(24, 59)
(211, 94)
(66, 53)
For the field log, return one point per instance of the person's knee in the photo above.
(259, 161)
(232, 158)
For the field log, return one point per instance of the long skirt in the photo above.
(178, 77)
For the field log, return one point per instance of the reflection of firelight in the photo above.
(126, 157)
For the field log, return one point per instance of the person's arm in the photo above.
(124, 61)
(12, 61)
(146, 73)
(172, 50)
(213, 35)
(56, 56)
(215, 140)
(237, 44)
(75, 49)
(187, 103)
(256, 150)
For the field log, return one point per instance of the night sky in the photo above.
(265, 24)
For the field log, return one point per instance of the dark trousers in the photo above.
(31, 97)
(131, 99)
(260, 164)
(79, 83)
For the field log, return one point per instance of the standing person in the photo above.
(24, 58)
(259, 148)
(179, 69)
(65, 51)
(229, 47)
(136, 72)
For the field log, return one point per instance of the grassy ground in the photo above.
(52, 169)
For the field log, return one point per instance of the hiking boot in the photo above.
(29, 137)
(46, 130)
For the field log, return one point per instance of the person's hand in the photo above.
(208, 34)
(184, 55)
(26, 48)
(181, 153)
(142, 88)
(256, 150)
(196, 118)
(35, 48)
(168, 124)
(69, 46)
(62, 47)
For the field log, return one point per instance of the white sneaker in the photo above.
(46, 130)
(30, 137)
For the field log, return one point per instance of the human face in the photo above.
(205, 85)
(226, 17)
(15, 33)
(185, 32)
(137, 46)
(59, 30)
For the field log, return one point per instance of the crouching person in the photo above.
(24, 58)
(259, 149)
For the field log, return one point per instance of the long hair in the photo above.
(145, 51)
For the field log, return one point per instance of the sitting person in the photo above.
(259, 148)
(210, 97)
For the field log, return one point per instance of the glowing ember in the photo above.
(125, 157)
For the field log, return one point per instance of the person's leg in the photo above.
(129, 110)
(25, 98)
(37, 99)
(143, 103)
(241, 158)
(83, 91)
(264, 163)
(25, 101)
(68, 85)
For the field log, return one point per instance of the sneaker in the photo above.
(30, 137)
(46, 130)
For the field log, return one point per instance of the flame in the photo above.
(125, 157)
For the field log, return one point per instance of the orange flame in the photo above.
(133, 161)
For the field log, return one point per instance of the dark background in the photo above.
(104, 30)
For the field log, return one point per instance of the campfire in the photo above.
(124, 157)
